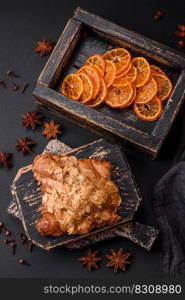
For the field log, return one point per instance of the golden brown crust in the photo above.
(78, 195)
(48, 225)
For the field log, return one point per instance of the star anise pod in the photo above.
(158, 15)
(11, 73)
(24, 145)
(118, 260)
(181, 27)
(4, 159)
(51, 130)
(90, 259)
(31, 119)
(180, 33)
(181, 44)
(44, 47)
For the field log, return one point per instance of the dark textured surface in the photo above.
(22, 23)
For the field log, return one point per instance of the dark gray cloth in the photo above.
(169, 205)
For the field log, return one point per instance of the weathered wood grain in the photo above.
(142, 235)
(60, 56)
(172, 107)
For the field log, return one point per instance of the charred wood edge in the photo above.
(140, 234)
(83, 114)
(120, 34)
(61, 53)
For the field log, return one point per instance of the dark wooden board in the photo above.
(140, 234)
(27, 194)
(86, 34)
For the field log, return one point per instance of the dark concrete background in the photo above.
(22, 24)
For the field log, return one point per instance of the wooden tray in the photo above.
(27, 194)
(86, 34)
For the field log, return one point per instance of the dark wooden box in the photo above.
(85, 34)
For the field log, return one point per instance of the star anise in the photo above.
(180, 33)
(181, 44)
(51, 130)
(4, 159)
(90, 259)
(24, 145)
(158, 15)
(118, 260)
(31, 119)
(11, 73)
(2, 84)
(181, 27)
(44, 47)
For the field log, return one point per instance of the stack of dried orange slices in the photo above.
(120, 81)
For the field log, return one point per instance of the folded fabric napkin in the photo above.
(169, 205)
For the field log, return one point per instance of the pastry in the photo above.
(78, 195)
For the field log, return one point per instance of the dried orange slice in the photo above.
(96, 60)
(164, 86)
(120, 56)
(146, 92)
(99, 70)
(155, 69)
(72, 86)
(101, 95)
(110, 72)
(123, 73)
(132, 99)
(143, 70)
(128, 77)
(87, 88)
(134, 94)
(150, 111)
(119, 97)
(93, 75)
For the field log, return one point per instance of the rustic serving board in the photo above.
(140, 234)
(26, 192)
(85, 34)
